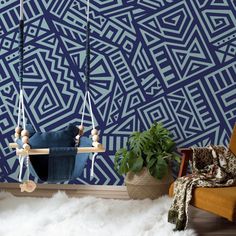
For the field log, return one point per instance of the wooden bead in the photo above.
(97, 144)
(25, 139)
(24, 132)
(81, 127)
(95, 138)
(81, 132)
(26, 146)
(18, 129)
(94, 131)
(17, 135)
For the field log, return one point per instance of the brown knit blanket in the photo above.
(212, 166)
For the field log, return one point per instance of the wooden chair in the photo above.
(220, 201)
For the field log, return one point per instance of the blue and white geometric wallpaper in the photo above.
(172, 61)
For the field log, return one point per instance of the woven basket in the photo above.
(142, 185)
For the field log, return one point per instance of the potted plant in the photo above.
(146, 161)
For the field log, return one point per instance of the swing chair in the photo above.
(24, 151)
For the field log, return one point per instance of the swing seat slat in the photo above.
(45, 151)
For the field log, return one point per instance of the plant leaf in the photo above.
(151, 163)
(139, 142)
(138, 165)
(161, 169)
(176, 157)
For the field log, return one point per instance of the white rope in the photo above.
(21, 162)
(21, 10)
(91, 110)
(23, 159)
(83, 111)
(92, 166)
(88, 5)
(27, 170)
(23, 111)
(19, 109)
(21, 97)
(88, 95)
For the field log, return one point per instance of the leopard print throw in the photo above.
(212, 166)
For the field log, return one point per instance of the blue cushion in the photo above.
(61, 138)
(61, 164)
(31, 129)
(81, 158)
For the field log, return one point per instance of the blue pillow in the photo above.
(61, 138)
(81, 158)
(31, 129)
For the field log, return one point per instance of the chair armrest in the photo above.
(186, 157)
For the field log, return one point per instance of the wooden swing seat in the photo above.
(45, 151)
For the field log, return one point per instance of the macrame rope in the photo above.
(21, 10)
(83, 111)
(88, 6)
(87, 71)
(87, 82)
(21, 107)
(92, 166)
(27, 167)
(91, 110)
(21, 44)
(87, 96)
(21, 161)
(21, 67)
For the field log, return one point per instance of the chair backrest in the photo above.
(232, 144)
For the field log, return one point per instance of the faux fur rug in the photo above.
(63, 216)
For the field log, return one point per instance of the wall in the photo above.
(164, 60)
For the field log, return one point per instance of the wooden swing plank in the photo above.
(45, 151)
(13, 145)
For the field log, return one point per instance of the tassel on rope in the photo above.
(28, 185)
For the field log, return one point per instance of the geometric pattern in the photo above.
(162, 60)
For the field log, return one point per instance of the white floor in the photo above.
(63, 216)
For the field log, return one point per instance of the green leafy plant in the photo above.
(152, 148)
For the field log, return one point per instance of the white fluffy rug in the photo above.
(63, 216)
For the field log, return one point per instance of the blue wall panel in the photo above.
(165, 60)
